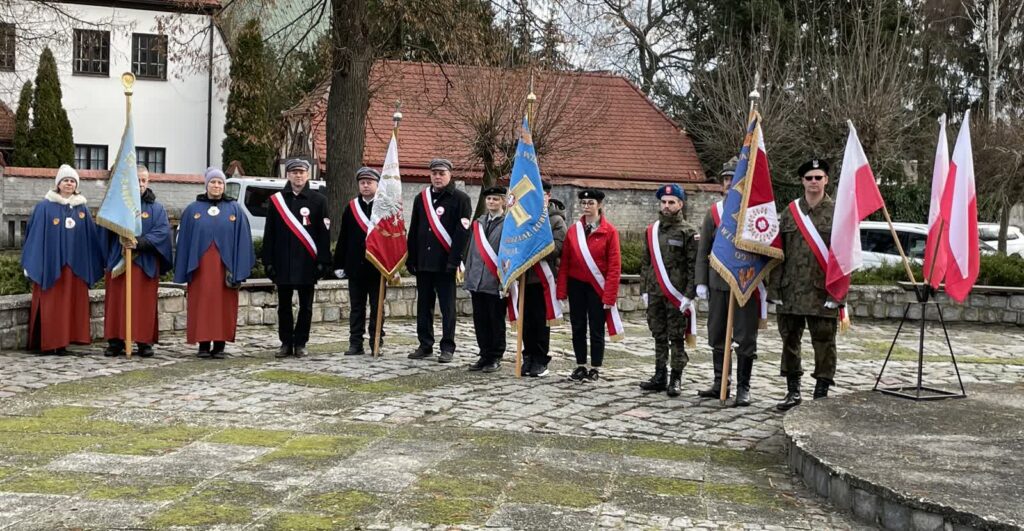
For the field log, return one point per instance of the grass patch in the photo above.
(460, 486)
(448, 511)
(554, 491)
(743, 494)
(317, 447)
(195, 512)
(251, 437)
(306, 522)
(236, 493)
(149, 492)
(48, 483)
(6, 472)
(899, 352)
(346, 504)
(46, 444)
(747, 460)
(151, 441)
(68, 412)
(328, 381)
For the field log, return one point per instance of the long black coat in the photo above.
(425, 250)
(350, 251)
(282, 251)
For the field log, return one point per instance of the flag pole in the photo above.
(128, 81)
(397, 117)
(531, 98)
(899, 247)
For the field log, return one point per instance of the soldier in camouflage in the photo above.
(677, 241)
(797, 287)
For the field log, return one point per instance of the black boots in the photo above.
(658, 382)
(716, 387)
(793, 396)
(675, 383)
(744, 366)
(821, 389)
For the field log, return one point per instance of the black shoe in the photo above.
(114, 349)
(419, 354)
(527, 368)
(217, 352)
(540, 370)
(744, 367)
(579, 374)
(300, 352)
(675, 384)
(820, 389)
(204, 349)
(593, 375)
(61, 352)
(355, 350)
(793, 398)
(715, 391)
(283, 351)
(145, 350)
(445, 357)
(479, 364)
(658, 382)
(493, 366)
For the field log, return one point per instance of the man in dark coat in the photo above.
(296, 253)
(438, 233)
(350, 261)
(536, 325)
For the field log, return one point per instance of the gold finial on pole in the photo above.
(531, 99)
(397, 116)
(754, 95)
(128, 82)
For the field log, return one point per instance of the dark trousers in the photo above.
(586, 311)
(536, 332)
(823, 339)
(363, 291)
(745, 320)
(431, 287)
(489, 324)
(294, 332)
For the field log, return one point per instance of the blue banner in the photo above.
(121, 211)
(526, 234)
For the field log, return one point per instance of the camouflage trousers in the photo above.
(668, 326)
(823, 339)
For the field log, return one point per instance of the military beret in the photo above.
(367, 173)
(591, 193)
(441, 164)
(546, 185)
(813, 164)
(296, 164)
(671, 189)
(495, 190)
(729, 168)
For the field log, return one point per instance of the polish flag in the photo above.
(856, 198)
(934, 250)
(960, 213)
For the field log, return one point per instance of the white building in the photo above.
(174, 49)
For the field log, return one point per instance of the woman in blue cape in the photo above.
(62, 256)
(214, 256)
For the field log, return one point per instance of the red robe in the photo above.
(145, 328)
(212, 306)
(64, 308)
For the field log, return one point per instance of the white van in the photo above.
(878, 247)
(989, 233)
(253, 193)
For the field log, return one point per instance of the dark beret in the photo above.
(443, 164)
(591, 193)
(546, 185)
(367, 173)
(813, 164)
(671, 189)
(495, 190)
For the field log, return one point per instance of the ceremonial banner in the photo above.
(934, 250)
(747, 242)
(960, 213)
(121, 210)
(526, 235)
(385, 242)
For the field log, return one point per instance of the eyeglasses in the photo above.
(588, 202)
(813, 177)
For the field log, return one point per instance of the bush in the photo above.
(994, 270)
(12, 279)
(632, 250)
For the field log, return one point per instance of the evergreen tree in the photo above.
(51, 138)
(23, 155)
(248, 126)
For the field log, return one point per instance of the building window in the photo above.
(6, 47)
(92, 52)
(149, 56)
(90, 157)
(152, 158)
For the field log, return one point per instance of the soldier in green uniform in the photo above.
(797, 285)
(668, 297)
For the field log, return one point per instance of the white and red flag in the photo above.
(934, 250)
(960, 214)
(857, 197)
(385, 242)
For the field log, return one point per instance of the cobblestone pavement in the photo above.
(329, 441)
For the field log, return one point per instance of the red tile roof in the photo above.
(99, 175)
(179, 6)
(609, 130)
(6, 124)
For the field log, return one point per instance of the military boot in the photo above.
(820, 389)
(744, 366)
(675, 383)
(793, 396)
(658, 382)
(716, 387)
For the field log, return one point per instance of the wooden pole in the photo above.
(519, 326)
(380, 318)
(935, 255)
(727, 359)
(128, 302)
(899, 247)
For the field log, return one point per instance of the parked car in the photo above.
(989, 233)
(878, 247)
(254, 195)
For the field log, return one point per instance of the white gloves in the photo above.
(831, 305)
(607, 306)
(702, 292)
(644, 297)
(685, 304)
(339, 273)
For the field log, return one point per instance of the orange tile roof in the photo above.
(609, 130)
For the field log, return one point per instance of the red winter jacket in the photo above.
(604, 247)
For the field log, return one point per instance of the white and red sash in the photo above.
(293, 224)
(716, 212)
(815, 242)
(670, 292)
(357, 212)
(552, 308)
(579, 245)
(490, 259)
(435, 220)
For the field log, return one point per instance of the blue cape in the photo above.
(229, 229)
(50, 245)
(156, 229)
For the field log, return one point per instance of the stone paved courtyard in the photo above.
(334, 442)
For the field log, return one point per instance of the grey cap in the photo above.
(296, 164)
(729, 168)
(443, 164)
(367, 173)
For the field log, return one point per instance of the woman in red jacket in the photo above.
(589, 278)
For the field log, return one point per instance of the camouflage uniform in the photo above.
(678, 242)
(799, 284)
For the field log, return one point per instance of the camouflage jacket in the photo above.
(706, 274)
(799, 282)
(677, 240)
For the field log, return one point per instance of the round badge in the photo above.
(197, 216)
(465, 223)
(69, 223)
(327, 223)
(304, 211)
(145, 215)
(440, 211)
(213, 211)
(56, 221)
(81, 215)
(232, 217)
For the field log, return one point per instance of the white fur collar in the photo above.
(75, 200)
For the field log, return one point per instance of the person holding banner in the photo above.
(489, 307)
(589, 278)
(350, 261)
(797, 286)
(296, 253)
(667, 287)
(62, 256)
(152, 258)
(541, 309)
(438, 232)
(214, 256)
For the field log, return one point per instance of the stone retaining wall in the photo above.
(258, 306)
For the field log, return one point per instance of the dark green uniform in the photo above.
(677, 240)
(798, 287)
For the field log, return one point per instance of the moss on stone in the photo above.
(746, 460)
(151, 441)
(317, 447)
(306, 379)
(42, 482)
(441, 510)
(46, 444)
(6, 472)
(195, 512)
(141, 492)
(307, 522)
(251, 437)
(68, 412)
(553, 491)
(344, 504)
(748, 495)
(666, 486)
(235, 493)
(460, 486)
(59, 424)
